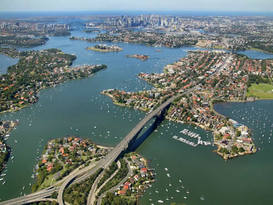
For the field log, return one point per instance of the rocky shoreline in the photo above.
(5, 128)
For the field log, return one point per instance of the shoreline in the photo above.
(41, 89)
(228, 153)
(7, 55)
(261, 50)
(122, 104)
(6, 159)
(52, 163)
(128, 187)
(58, 153)
(3, 141)
(139, 57)
(107, 50)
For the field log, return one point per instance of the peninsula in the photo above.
(149, 39)
(214, 76)
(124, 180)
(29, 33)
(61, 156)
(37, 70)
(105, 48)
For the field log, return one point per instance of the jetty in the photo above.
(185, 141)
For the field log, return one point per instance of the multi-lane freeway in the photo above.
(81, 175)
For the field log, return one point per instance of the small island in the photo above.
(104, 48)
(138, 56)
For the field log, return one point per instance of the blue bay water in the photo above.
(197, 175)
(5, 62)
(257, 54)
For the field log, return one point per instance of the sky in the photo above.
(135, 5)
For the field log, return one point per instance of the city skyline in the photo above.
(141, 5)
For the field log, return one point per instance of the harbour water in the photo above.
(5, 62)
(194, 175)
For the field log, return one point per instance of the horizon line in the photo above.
(140, 10)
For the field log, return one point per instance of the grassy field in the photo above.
(262, 91)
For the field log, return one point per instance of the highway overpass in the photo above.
(104, 163)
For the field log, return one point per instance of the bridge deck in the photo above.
(107, 161)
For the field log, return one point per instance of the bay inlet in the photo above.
(194, 175)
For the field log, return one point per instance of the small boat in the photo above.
(160, 201)
(168, 175)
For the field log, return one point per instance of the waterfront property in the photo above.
(62, 156)
(37, 70)
(198, 165)
(5, 128)
(214, 76)
(138, 179)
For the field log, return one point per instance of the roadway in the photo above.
(129, 174)
(37, 196)
(122, 146)
(95, 189)
(84, 173)
(81, 175)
